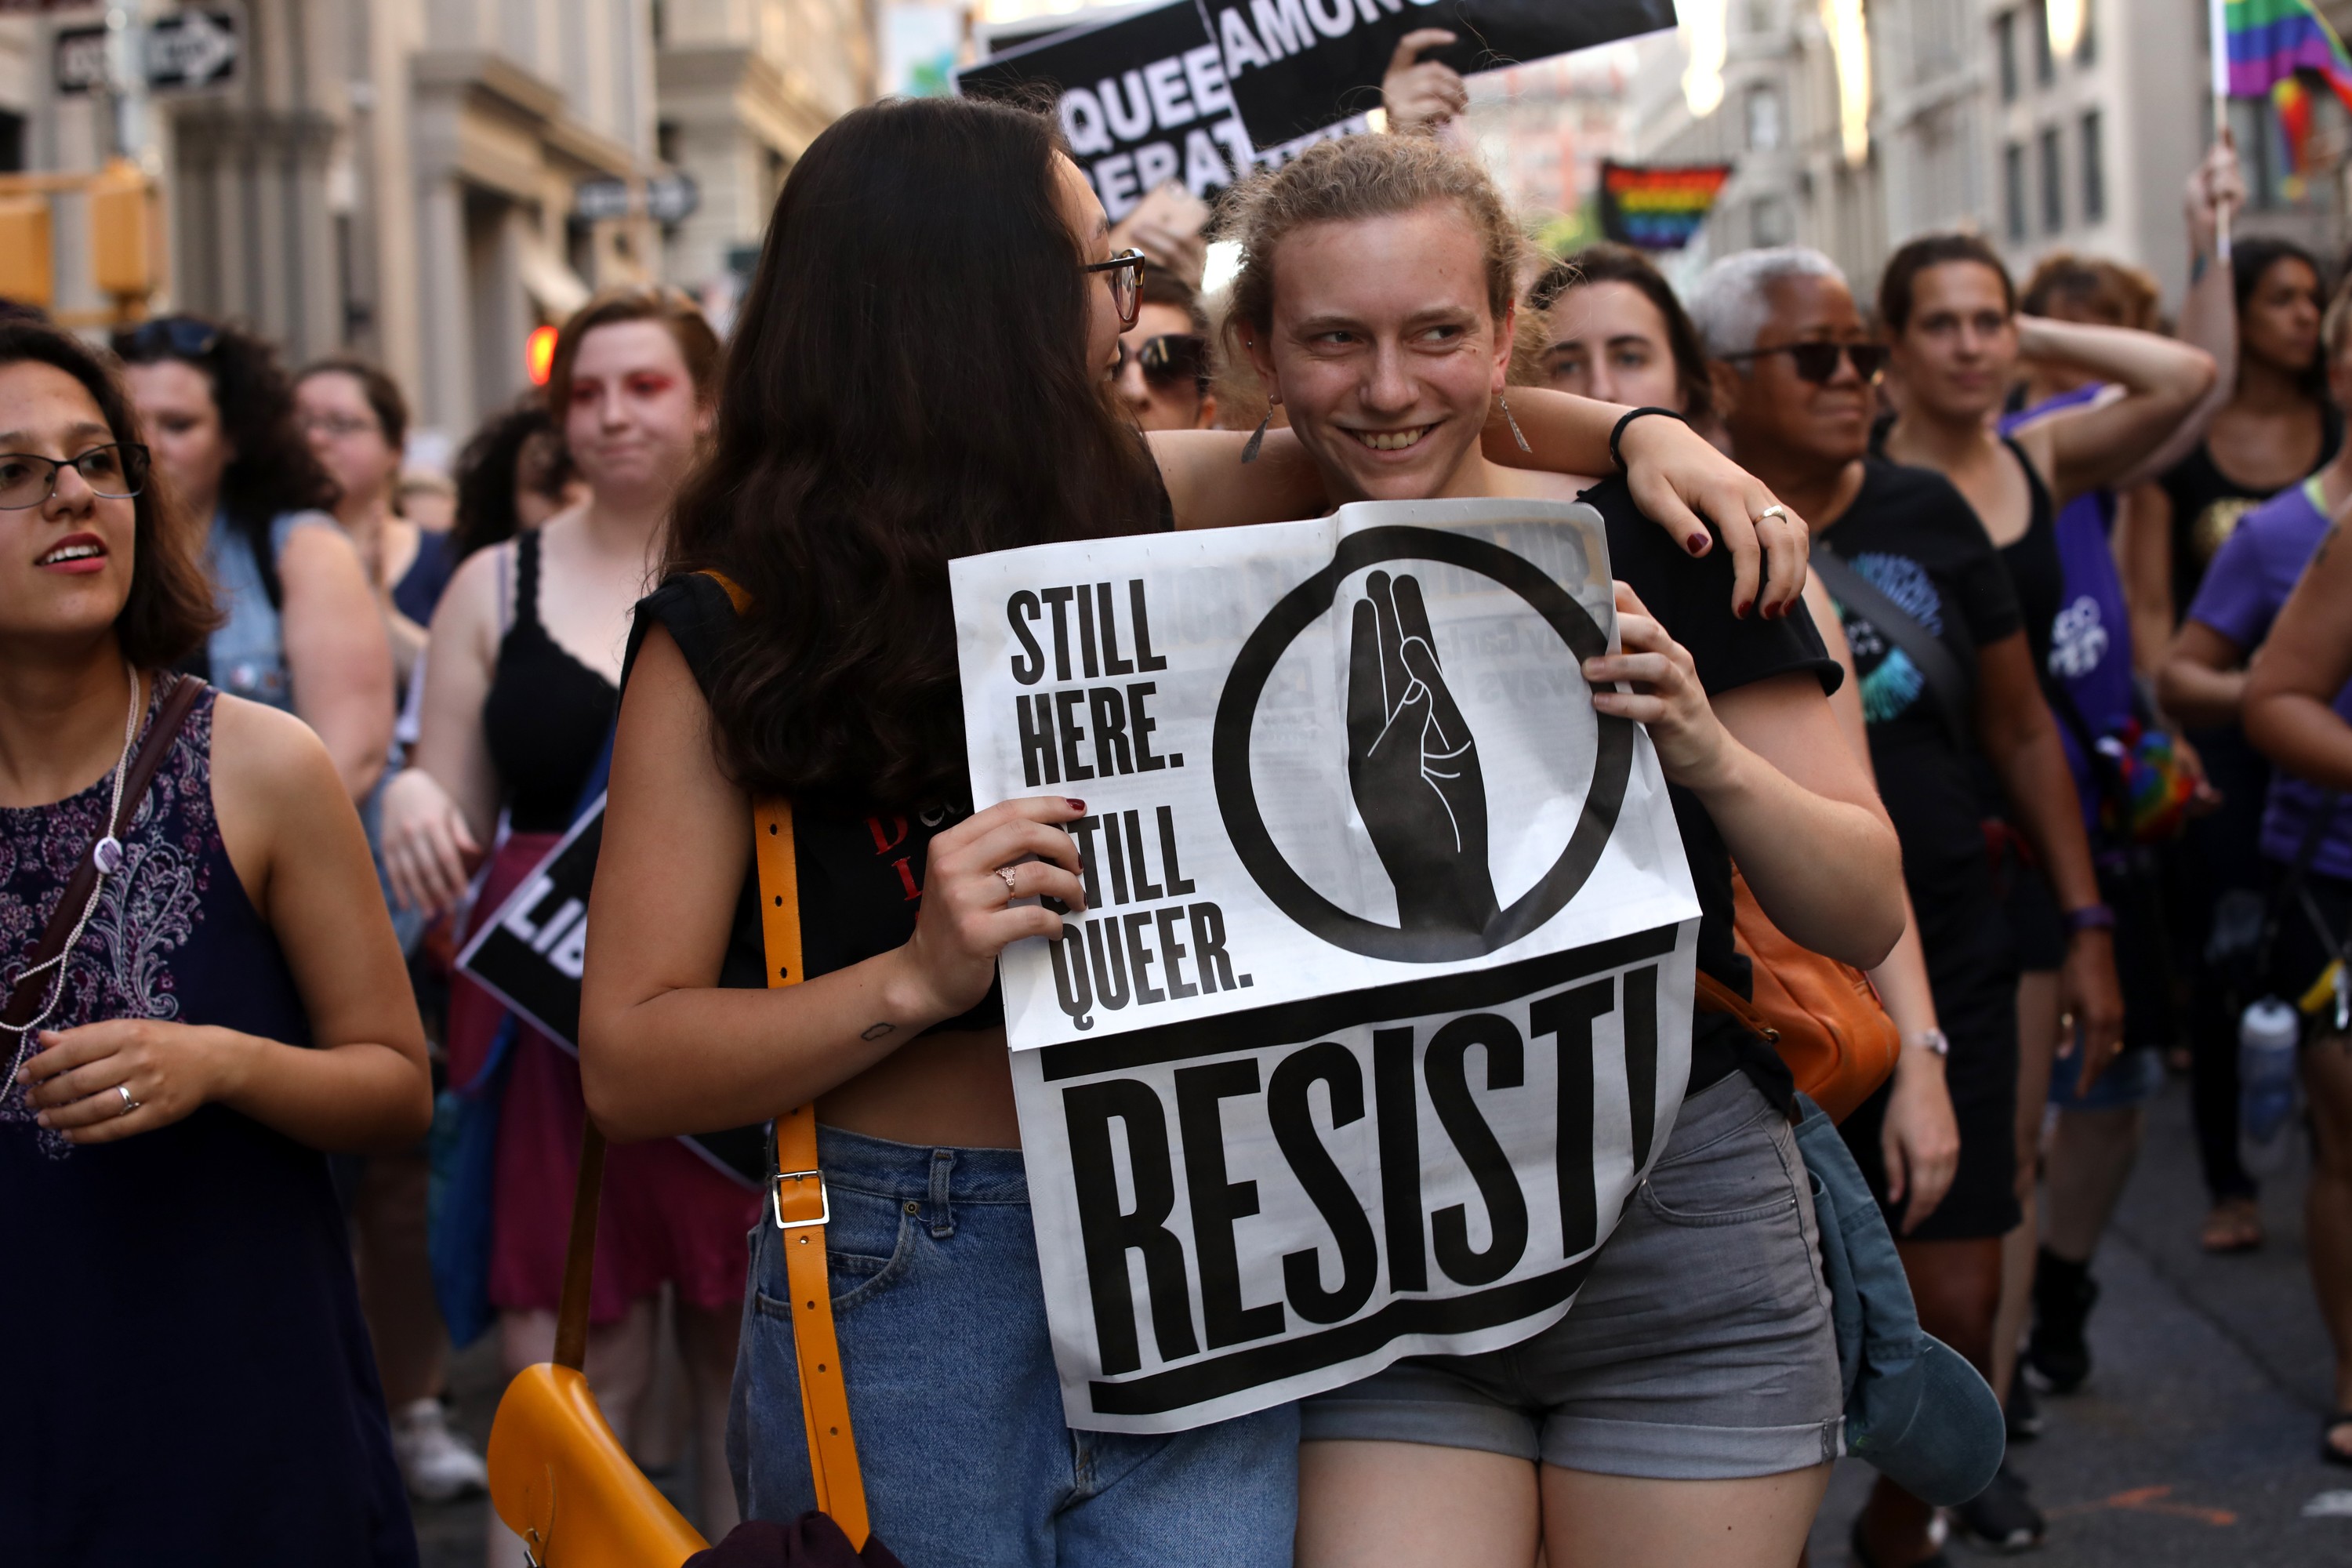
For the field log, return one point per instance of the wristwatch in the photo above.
(1933, 1039)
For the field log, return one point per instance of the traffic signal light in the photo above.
(538, 355)
(122, 232)
(25, 263)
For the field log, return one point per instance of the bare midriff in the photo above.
(952, 1088)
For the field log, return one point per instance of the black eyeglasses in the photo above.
(1818, 361)
(1126, 271)
(115, 471)
(1168, 360)
(179, 337)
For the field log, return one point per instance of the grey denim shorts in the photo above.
(1699, 1349)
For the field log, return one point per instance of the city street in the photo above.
(2195, 1445)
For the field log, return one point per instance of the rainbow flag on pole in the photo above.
(2266, 42)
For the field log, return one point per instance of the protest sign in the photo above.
(1143, 100)
(530, 953)
(1658, 206)
(1381, 1001)
(1294, 65)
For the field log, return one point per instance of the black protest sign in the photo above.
(1143, 101)
(1296, 65)
(530, 953)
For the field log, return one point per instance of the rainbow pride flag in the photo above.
(2270, 40)
(1657, 208)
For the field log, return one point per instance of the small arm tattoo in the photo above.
(877, 1031)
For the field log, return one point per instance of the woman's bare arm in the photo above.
(663, 1050)
(294, 840)
(2144, 552)
(2307, 659)
(2096, 446)
(438, 812)
(2203, 680)
(1676, 478)
(337, 658)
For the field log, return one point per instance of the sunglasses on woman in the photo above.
(1126, 271)
(1169, 360)
(113, 472)
(175, 337)
(1818, 361)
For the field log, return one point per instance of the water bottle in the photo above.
(2267, 1034)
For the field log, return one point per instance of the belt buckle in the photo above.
(823, 1199)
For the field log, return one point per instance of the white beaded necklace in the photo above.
(107, 857)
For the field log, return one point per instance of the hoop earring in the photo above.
(1517, 433)
(1258, 438)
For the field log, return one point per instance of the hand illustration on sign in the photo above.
(1412, 765)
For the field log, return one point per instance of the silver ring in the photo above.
(1774, 510)
(1005, 874)
(129, 1104)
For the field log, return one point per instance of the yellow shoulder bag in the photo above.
(559, 1478)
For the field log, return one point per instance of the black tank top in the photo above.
(2206, 504)
(546, 715)
(2033, 566)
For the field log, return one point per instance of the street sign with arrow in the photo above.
(184, 51)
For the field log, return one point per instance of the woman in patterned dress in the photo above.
(191, 1382)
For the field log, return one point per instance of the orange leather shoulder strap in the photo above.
(735, 596)
(800, 1203)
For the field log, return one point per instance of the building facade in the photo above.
(1978, 117)
(402, 179)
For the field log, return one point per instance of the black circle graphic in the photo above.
(1237, 712)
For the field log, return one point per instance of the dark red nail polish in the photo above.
(1076, 803)
(1695, 544)
(1741, 610)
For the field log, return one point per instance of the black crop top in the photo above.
(861, 873)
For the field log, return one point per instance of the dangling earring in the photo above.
(1258, 438)
(1517, 433)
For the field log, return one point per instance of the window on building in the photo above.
(2046, 64)
(2086, 47)
(12, 143)
(1763, 119)
(2013, 192)
(2053, 184)
(2004, 43)
(2094, 169)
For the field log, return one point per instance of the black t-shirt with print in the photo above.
(1920, 542)
(1692, 599)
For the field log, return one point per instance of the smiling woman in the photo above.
(267, 1019)
(1375, 298)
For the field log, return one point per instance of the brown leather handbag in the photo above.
(558, 1477)
(1823, 1017)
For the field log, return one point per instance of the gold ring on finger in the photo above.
(1012, 886)
(1775, 509)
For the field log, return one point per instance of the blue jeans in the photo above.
(940, 1312)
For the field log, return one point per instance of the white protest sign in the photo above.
(1381, 1001)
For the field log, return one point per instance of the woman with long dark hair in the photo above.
(191, 1382)
(301, 633)
(859, 450)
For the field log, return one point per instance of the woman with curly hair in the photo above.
(302, 632)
